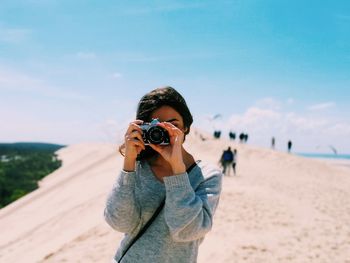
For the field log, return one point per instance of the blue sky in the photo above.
(73, 71)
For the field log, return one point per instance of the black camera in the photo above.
(154, 134)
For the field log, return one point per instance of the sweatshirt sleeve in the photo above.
(188, 213)
(122, 212)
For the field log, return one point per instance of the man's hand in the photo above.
(172, 153)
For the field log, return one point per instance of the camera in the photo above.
(154, 134)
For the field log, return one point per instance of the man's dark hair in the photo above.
(165, 96)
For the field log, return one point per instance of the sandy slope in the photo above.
(279, 208)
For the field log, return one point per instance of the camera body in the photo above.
(154, 134)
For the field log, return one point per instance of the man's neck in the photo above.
(159, 161)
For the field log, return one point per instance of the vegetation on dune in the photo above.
(22, 165)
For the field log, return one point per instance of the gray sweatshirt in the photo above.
(174, 236)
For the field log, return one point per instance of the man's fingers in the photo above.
(135, 138)
(134, 126)
(134, 135)
(136, 142)
(171, 128)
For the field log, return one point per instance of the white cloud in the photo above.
(14, 35)
(265, 120)
(321, 106)
(116, 75)
(12, 79)
(22, 82)
(110, 130)
(339, 129)
(86, 55)
(299, 123)
(254, 118)
(22, 126)
(269, 103)
(290, 101)
(306, 129)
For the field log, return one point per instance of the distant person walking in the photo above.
(273, 141)
(226, 161)
(289, 146)
(232, 135)
(241, 137)
(245, 138)
(217, 134)
(234, 161)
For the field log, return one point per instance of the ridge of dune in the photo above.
(279, 208)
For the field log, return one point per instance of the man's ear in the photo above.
(186, 130)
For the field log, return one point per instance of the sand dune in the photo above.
(279, 208)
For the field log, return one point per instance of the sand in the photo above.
(278, 208)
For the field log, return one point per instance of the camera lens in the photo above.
(156, 135)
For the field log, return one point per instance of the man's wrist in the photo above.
(179, 168)
(129, 165)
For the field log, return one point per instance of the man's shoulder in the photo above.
(209, 169)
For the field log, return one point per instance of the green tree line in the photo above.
(22, 166)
